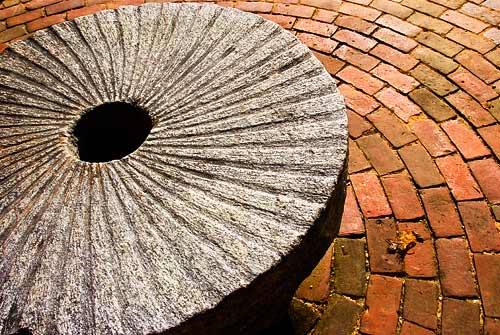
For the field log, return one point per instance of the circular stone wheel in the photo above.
(229, 189)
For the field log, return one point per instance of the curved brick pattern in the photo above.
(421, 79)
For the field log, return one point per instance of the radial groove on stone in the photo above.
(211, 224)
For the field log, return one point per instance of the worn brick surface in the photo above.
(357, 100)
(408, 328)
(390, 74)
(45, 22)
(402, 197)
(491, 135)
(464, 21)
(432, 138)
(11, 11)
(421, 302)
(356, 58)
(424, 6)
(380, 154)
(26, 17)
(284, 21)
(438, 43)
(421, 166)
(479, 66)
(317, 285)
(470, 109)
(434, 59)
(293, 10)
(315, 42)
(394, 39)
(369, 14)
(63, 6)
(430, 78)
(466, 140)
(315, 27)
(460, 317)
(488, 272)
(392, 7)
(457, 279)
(391, 127)
(349, 267)
(430, 23)
(473, 85)
(326, 4)
(355, 23)
(479, 226)
(420, 261)
(331, 64)
(357, 124)
(471, 40)
(491, 326)
(459, 179)
(441, 212)
(357, 160)
(479, 12)
(352, 221)
(370, 195)
(324, 15)
(382, 300)
(340, 317)
(433, 106)
(12, 33)
(379, 232)
(398, 25)
(361, 80)
(392, 56)
(487, 173)
(354, 39)
(403, 107)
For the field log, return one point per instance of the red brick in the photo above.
(315, 27)
(438, 43)
(324, 15)
(355, 23)
(433, 139)
(325, 4)
(63, 6)
(293, 10)
(457, 279)
(431, 104)
(488, 272)
(370, 195)
(331, 64)
(491, 135)
(420, 261)
(393, 129)
(421, 302)
(378, 232)
(460, 317)
(396, 40)
(34, 4)
(460, 181)
(358, 101)
(379, 153)
(72, 14)
(118, 3)
(354, 39)
(352, 221)
(487, 173)
(471, 40)
(398, 25)
(491, 326)
(433, 80)
(356, 124)
(257, 7)
(349, 267)
(473, 85)
(96, 2)
(398, 103)
(356, 58)
(23, 18)
(322, 44)
(430, 23)
(420, 166)
(363, 12)
(284, 21)
(464, 21)
(424, 6)
(409, 328)
(3, 26)
(441, 213)
(479, 226)
(357, 160)
(398, 80)
(361, 80)
(394, 57)
(466, 140)
(317, 285)
(12, 33)
(46, 22)
(434, 59)
(333, 322)
(392, 8)
(382, 300)
(11, 11)
(402, 196)
(469, 108)
(479, 66)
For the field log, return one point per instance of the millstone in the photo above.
(168, 168)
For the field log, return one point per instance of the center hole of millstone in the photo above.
(111, 131)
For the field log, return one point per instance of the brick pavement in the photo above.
(421, 80)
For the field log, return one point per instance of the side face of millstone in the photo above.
(210, 225)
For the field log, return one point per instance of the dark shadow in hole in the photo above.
(111, 131)
(23, 331)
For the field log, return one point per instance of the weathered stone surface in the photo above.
(209, 226)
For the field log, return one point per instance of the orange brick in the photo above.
(325, 4)
(315, 27)
(34, 4)
(394, 57)
(473, 85)
(26, 17)
(479, 66)
(72, 14)
(12, 33)
(464, 21)
(360, 79)
(356, 58)
(324, 15)
(403, 107)
(331, 64)
(258, 7)
(63, 6)
(355, 23)
(45, 22)
(430, 23)
(398, 25)
(284, 21)
(471, 40)
(398, 80)
(394, 39)
(322, 44)
(471, 109)
(11, 11)
(354, 39)
(392, 8)
(369, 14)
(293, 10)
